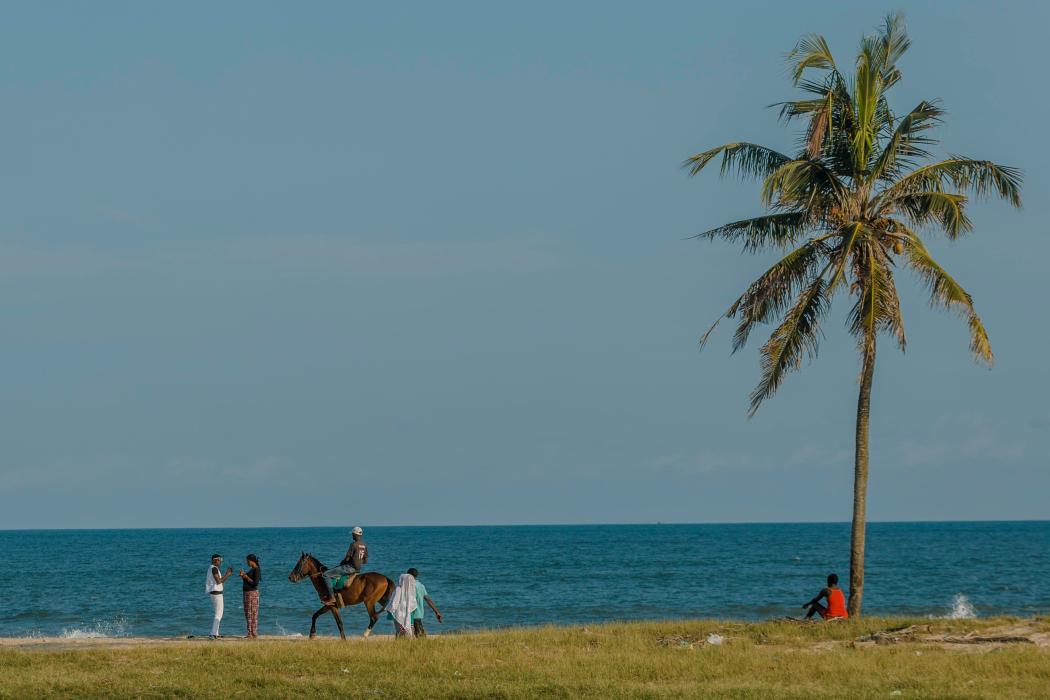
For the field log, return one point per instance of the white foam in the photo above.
(962, 608)
(77, 633)
(100, 629)
(284, 633)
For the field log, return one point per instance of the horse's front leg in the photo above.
(313, 621)
(339, 622)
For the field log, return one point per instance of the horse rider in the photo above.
(356, 557)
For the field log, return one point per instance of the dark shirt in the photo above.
(357, 555)
(255, 574)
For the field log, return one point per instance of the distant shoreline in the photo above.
(65, 643)
(989, 521)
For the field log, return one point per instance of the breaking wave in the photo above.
(99, 629)
(962, 608)
(285, 633)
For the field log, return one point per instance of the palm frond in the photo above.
(861, 320)
(810, 52)
(831, 121)
(768, 295)
(895, 43)
(892, 320)
(944, 209)
(797, 336)
(980, 176)
(819, 125)
(800, 183)
(818, 87)
(884, 116)
(867, 94)
(773, 230)
(748, 159)
(842, 255)
(792, 109)
(906, 141)
(946, 292)
(877, 309)
(832, 85)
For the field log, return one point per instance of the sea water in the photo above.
(91, 583)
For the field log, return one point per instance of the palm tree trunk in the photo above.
(860, 483)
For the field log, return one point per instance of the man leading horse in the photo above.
(356, 557)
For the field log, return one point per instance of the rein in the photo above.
(299, 574)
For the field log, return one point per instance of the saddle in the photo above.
(342, 582)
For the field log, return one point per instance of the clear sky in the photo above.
(424, 263)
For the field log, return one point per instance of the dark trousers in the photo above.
(417, 628)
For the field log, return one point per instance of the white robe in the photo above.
(403, 603)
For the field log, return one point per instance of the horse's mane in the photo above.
(315, 560)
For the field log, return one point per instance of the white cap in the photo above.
(356, 531)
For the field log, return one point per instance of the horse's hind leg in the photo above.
(373, 617)
(339, 622)
(313, 621)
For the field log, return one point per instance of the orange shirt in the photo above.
(836, 604)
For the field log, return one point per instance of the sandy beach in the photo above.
(96, 643)
(1029, 631)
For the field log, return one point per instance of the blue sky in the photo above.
(265, 264)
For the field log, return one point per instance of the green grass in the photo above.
(608, 661)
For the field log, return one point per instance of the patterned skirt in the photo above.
(251, 613)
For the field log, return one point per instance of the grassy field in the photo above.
(638, 660)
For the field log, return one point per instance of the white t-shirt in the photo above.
(210, 583)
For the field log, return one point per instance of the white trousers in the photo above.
(216, 604)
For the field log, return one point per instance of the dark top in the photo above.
(255, 573)
(357, 555)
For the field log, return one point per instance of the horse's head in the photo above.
(306, 566)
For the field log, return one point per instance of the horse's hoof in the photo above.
(368, 633)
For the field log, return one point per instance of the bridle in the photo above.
(298, 574)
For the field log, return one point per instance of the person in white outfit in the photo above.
(402, 605)
(213, 587)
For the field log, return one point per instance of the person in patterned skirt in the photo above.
(250, 580)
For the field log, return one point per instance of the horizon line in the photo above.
(490, 525)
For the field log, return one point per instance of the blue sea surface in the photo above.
(151, 582)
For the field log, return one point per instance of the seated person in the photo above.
(836, 607)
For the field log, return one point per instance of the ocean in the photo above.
(82, 583)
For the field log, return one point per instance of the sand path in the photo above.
(82, 643)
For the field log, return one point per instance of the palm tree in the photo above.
(849, 206)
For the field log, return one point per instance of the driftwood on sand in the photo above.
(894, 635)
(921, 633)
(972, 638)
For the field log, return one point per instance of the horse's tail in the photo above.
(386, 594)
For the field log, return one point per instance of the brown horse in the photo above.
(369, 588)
